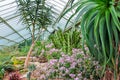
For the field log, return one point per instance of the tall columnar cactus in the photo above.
(66, 40)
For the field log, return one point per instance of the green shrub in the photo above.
(66, 40)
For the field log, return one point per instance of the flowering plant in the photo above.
(14, 76)
(50, 52)
(78, 66)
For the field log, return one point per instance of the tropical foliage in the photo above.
(97, 24)
(34, 14)
(47, 51)
(100, 26)
(66, 40)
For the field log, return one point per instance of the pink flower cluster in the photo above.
(49, 45)
(74, 67)
(52, 50)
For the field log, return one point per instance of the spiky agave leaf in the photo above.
(100, 26)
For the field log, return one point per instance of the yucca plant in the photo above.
(35, 15)
(100, 25)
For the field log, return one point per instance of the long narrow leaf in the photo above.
(107, 17)
(114, 16)
(101, 31)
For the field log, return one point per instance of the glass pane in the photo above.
(5, 30)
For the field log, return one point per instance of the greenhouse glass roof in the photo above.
(12, 31)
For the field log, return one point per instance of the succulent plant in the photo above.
(14, 76)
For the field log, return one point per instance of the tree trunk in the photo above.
(30, 50)
(33, 33)
(29, 53)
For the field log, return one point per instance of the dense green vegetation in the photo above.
(66, 40)
(100, 27)
(90, 51)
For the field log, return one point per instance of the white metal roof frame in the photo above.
(12, 31)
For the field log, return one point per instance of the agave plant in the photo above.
(100, 25)
(36, 15)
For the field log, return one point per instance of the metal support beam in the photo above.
(8, 8)
(29, 37)
(11, 17)
(58, 15)
(66, 6)
(18, 30)
(2, 45)
(26, 39)
(8, 39)
(14, 32)
(7, 4)
(25, 35)
(11, 27)
(9, 11)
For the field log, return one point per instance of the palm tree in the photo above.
(100, 25)
(35, 15)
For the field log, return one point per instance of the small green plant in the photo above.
(16, 61)
(6, 68)
(66, 40)
(47, 50)
(5, 63)
(5, 58)
(52, 53)
(39, 46)
(2, 72)
(30, 69)
(24, 49)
